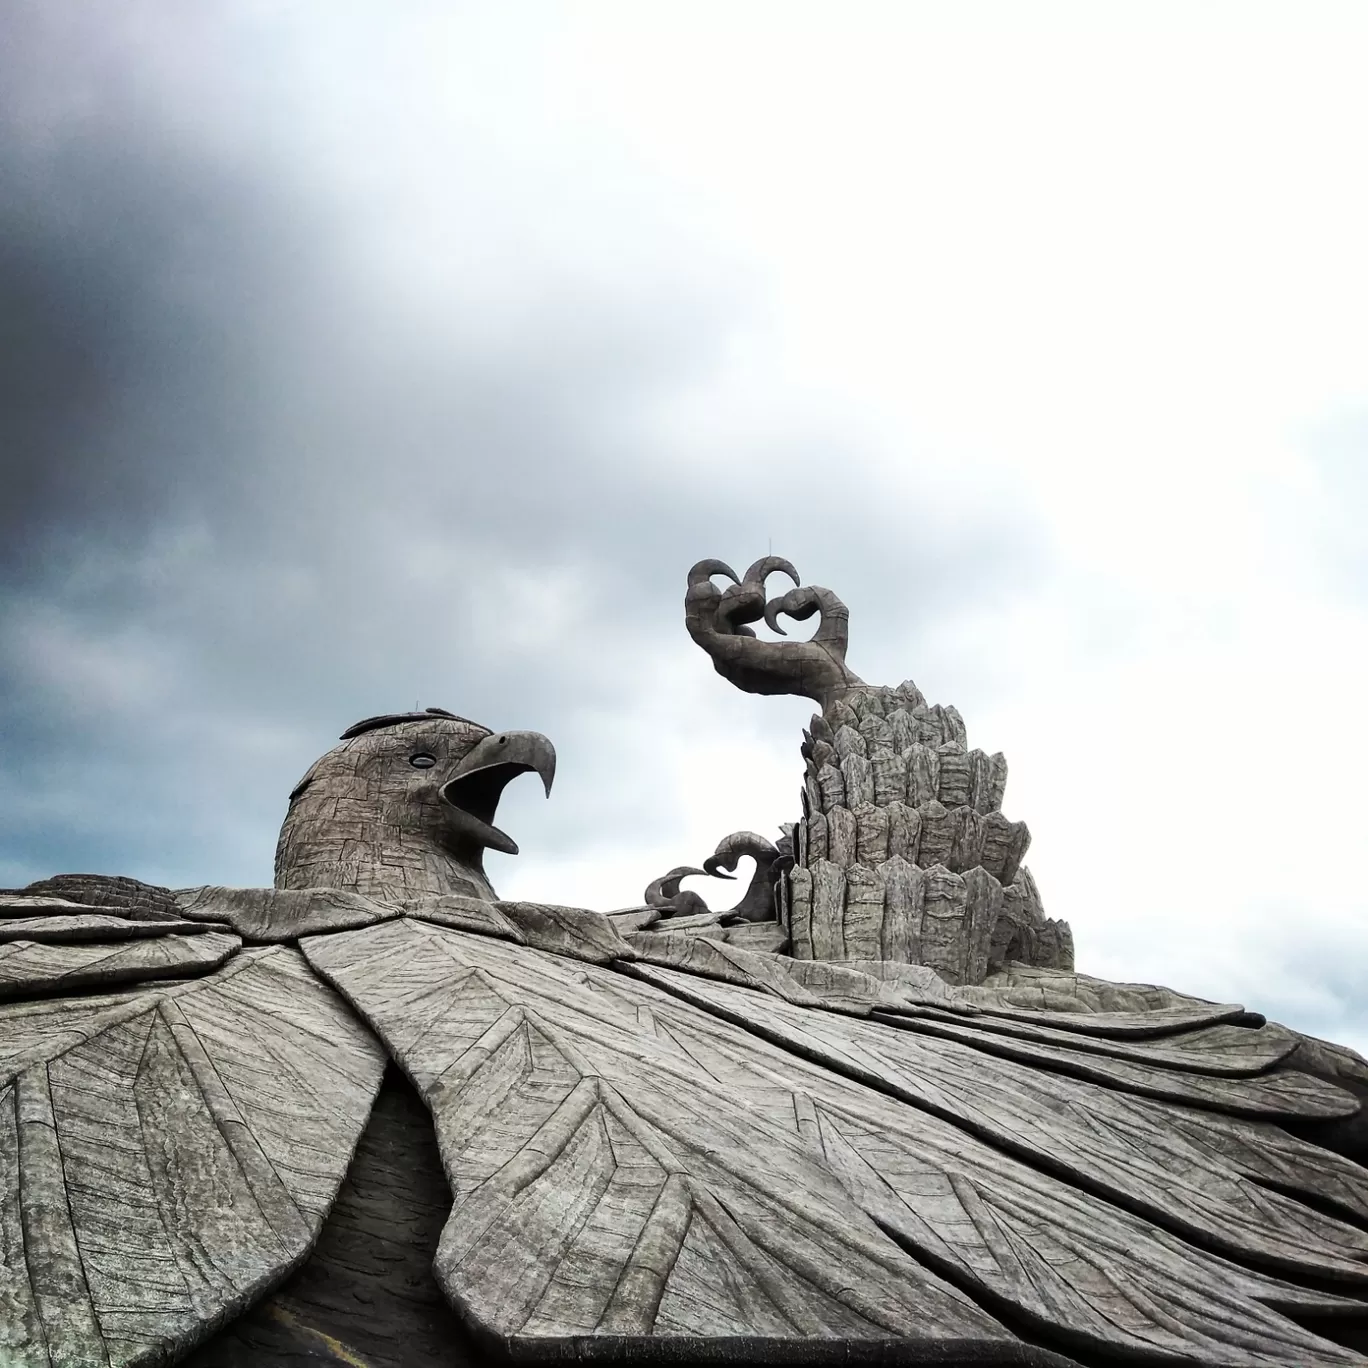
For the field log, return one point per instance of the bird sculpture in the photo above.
(376, 1116)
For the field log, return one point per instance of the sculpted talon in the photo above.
(717, 620)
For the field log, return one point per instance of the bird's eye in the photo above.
(422, 760)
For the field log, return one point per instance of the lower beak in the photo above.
(473, 792)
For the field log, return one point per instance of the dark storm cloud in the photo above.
(252, 497)
(134, 269)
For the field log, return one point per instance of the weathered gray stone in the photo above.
(859, 780)
(394, 811)
(862, 924)
(904, 831)
(890, 777)
(842, 837)
(871, 833)
(619, 1162)
(812, 790)
(998, 783)
(867, 1115)
(983, 906)
(828, 910)
(849, 742)
(1004, 846)
(909, 695)
(956, 782)
(945, 924)
(31, 967)
(93, 926)
(143, 1141)
(282, 914)
(832, 783)
(923, 774)
(1188, 1170)
(937, 835)
(903, 729)
(764, 937)
(800, 894)
(877, 732)
(966, 839)
(818, 840)
(904, 892)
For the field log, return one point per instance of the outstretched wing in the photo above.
(168, 1149)
(643, 1155)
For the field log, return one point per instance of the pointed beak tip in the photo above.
(480, 778)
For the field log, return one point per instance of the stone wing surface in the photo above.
(643, 1158)
(168, 1153)
(1195, 1170)
(51, 945)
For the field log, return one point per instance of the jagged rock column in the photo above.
(903, 852)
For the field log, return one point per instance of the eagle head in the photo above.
(404, 806)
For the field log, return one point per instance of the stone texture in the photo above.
(904, 832)
(869, 1115)
(862, 922)
(828, 911)
(843, 843)
(885, 773)
(859, 780)
(1186, 1169)
(93, 926)
(595, 1044)
(768, 936)
(937, 835)
(900, 937)
(274, 915)
(173, 1154)
(1284, 1094)
(32, 967)
(403, 807)
(871, 833)
(131, 898)
(576, 1140)
(923, 774)
(366, 1294)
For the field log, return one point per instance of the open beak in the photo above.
(473, 792)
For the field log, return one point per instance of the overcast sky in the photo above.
(358, 357)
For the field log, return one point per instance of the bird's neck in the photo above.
(388, 864)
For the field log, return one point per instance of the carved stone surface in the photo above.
(281, 914)
(867, 1115)
(170, 1154)
(44, 966)
(886, 775)
(366, 1294)
(1184, 1169)
(667, 899)
(404, 806)
(595, 1168)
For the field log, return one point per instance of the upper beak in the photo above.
(473, 792)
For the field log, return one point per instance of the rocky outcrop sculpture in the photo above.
(902, 853)
(375, 1116)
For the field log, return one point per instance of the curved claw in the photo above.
(731, 848)
(758, 902)
(771, 565)
(717, 620)
(704, 570)
(772, 610)
(662, 891)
